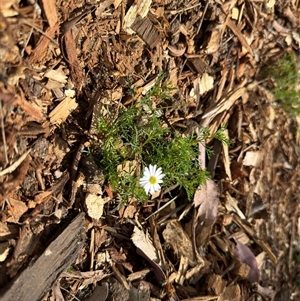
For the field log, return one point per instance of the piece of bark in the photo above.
(38, 278)
(197, 65)
(40, 50)
(76, 72)
(147, 31)
(50, 11)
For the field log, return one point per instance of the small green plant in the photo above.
(297, 257)
(296, 279)
(70, 270)
(286, 77)
(138, 135)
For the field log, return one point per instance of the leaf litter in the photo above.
(211, 53)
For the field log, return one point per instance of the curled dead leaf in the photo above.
(245, 255)
(174, 51)
(207, 199)
(146, 249)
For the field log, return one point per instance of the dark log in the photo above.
(38, 278)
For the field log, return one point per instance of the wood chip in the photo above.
(239, 35)
(60, 113)
(50, 11)
(56, 75)
(16, 209)
(147, 31)
(40, 50)
(134, 11)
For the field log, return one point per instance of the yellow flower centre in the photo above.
(152, 180)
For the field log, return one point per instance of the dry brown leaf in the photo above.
(119, 258)
(129, 211)
(232, 206)
(245, 255)
(128, 167)
(231, 293)
(16, 210)
(207, 199)
(175, 236)
(142, 241)
(146, 249)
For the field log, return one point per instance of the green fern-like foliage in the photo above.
(137, 135)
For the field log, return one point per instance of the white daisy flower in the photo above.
(151, 179)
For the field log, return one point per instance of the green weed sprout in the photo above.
(296, 279)
(286, 77)
(138, 136)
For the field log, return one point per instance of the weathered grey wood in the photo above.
(37, 279)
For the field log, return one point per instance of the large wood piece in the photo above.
(38, 278)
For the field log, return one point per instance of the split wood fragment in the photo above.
(37, 279)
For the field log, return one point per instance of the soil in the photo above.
(64, 234)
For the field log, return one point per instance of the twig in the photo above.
(67, 25)
(202, 18)
(3, 134)
(162, 207)
(15, 165)
(72, 295)
(73, 172)
(24, 21)
(181, 10)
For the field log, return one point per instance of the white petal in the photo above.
(146, 172)
(152, 190)
(157, 187)
(158, 171)
(143, 184)
(147, 187)
(144, 178)
(160, 176)
(152, 169)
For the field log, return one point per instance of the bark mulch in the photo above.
(63, 63)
